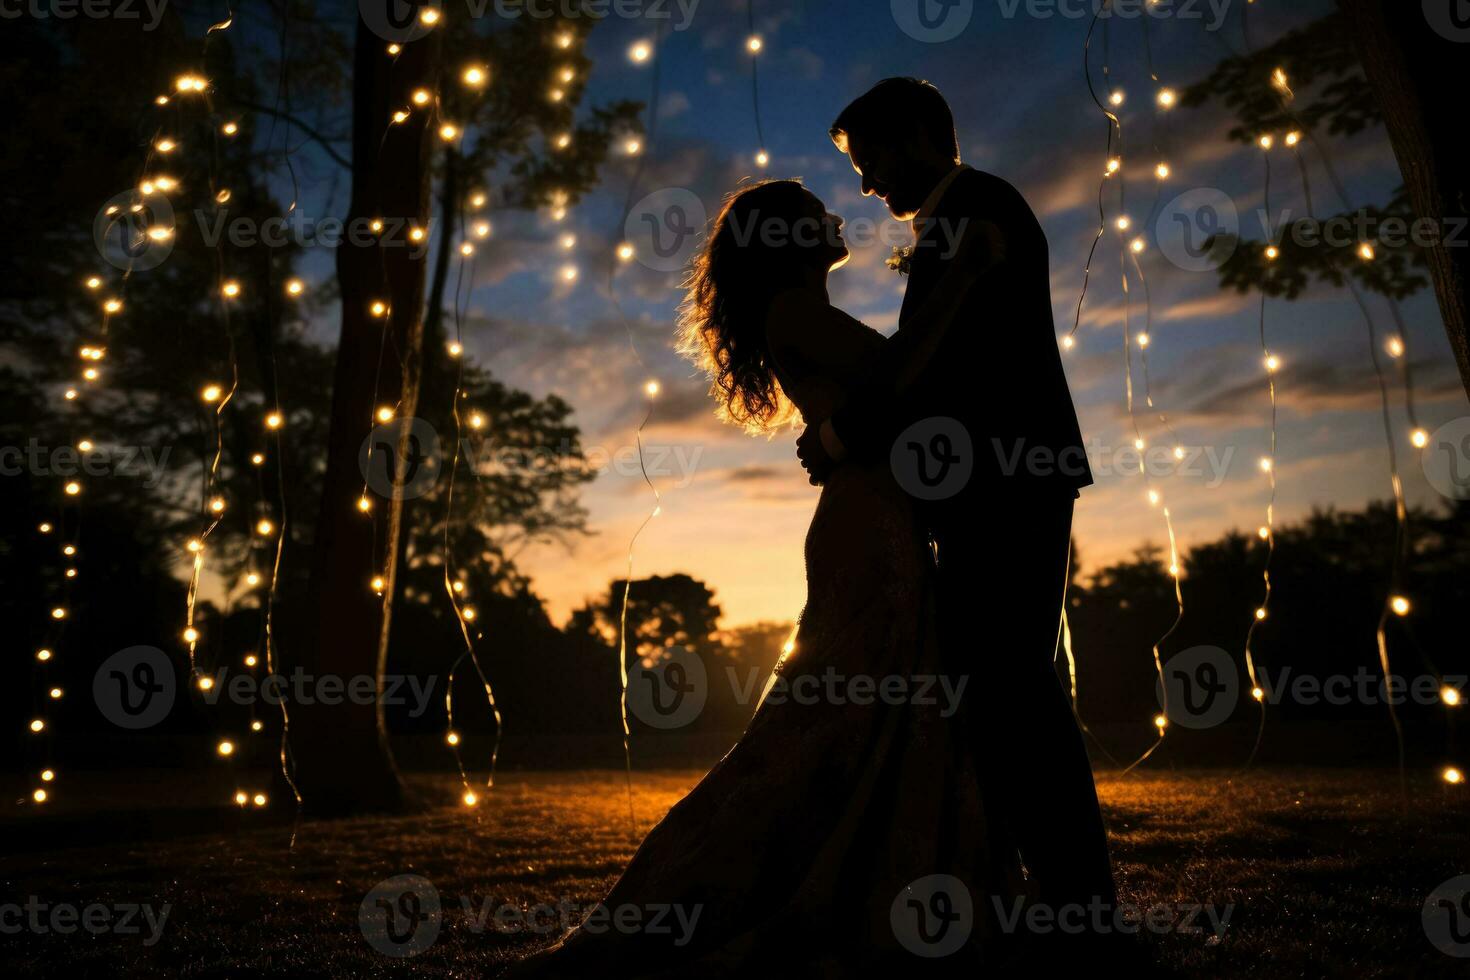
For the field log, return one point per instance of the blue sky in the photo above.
(734, 508)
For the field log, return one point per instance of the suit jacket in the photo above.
(998, 371)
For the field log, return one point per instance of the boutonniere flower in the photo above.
(900, 260)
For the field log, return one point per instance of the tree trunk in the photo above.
(1418, 75)
(343, 760)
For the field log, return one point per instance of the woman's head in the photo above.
(768, 237)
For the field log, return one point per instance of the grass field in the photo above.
(1323, 872)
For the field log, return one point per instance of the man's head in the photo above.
(901, 140)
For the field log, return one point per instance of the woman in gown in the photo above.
(799, 851)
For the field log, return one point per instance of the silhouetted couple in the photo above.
(891, 825)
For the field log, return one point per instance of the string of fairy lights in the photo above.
(1396, 602)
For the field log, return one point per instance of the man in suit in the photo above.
(1003, 536)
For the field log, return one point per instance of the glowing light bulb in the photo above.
(482, 229)
(569, 273)
(565, 39)
(474, 76)
(1261, 613)
(385, 414)
(295, 287)
(478, 199)
(274, 420)
(563, 141)
(1419, 438)
(1163, 171)
(112, 306)
(1167, 98)
(38, 725)
(73, 488)
(1453, 776)
(420, 96)
(1272, 253)
(470, 799)
(191, 635)
(762, 158)
(1263, 532)
(1399, 605)
(1153, 497)
(1160, 722)
(256, 725)
(1068, 343)
(1114, 165)
(1258, 694)
(625, 252)
(190, 83)
(1395, 347)
(94, 283)
(395, 49)
(43, 655)
(1273, 362)
(651, 389)
(257, 459)
(429, 16)
(1278, 78)
(378, 584)
(1266, 464)
(1138, 245)
(165, 146)
(251, 660)
(1144, 340)
(252, 578)
(416, 234)
(364, 503)
(259, 799)
(400, 116)
(210, 393)
(452, 738)
(1124, 223)
(448, 132)
(1450, 696)
(85, 445)
(455, 348)
(632, 147)
(242, 798)
(1366, 253)
(1293, 138)
(640, 52)
(230, 128)
(39, 796)
(194, 546)
(47, 775)
(231, 289)
(225, 747)
(378, 309)
(469, 614)
(556, 95)
(476, 420)
(55, 693)
(567, 74)
(1117, 98)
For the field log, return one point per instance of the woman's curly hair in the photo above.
(729, 290)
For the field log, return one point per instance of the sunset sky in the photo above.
(735, 509)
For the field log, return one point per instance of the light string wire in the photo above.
(651, 391)
(1127, 251)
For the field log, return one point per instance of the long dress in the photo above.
(811, 847)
